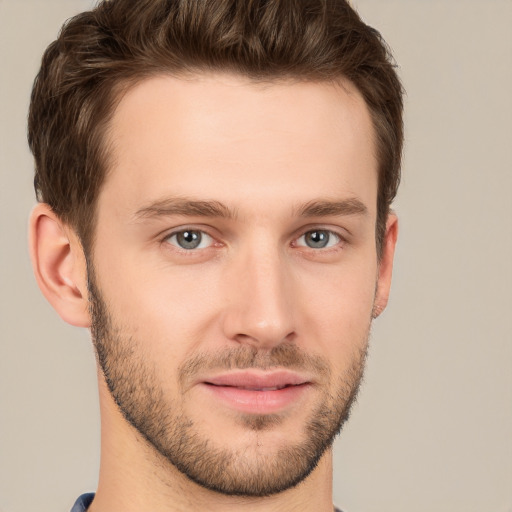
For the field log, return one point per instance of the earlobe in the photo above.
(59, 265)
(386, 265)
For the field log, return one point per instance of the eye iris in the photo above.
(189, 239)
(317, 239)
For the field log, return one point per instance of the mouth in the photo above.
(249, 388)
(258, 392)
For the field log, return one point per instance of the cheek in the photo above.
(337, 310)
(174, 310)
(344, 291)
(168, 309)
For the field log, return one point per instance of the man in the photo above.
(214, 183)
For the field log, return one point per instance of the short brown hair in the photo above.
(101, 52)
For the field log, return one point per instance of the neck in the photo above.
(134, 477)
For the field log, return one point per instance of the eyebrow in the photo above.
(326, 208)
(192, 207)
(186, 207)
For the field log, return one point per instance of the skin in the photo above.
(264, 152)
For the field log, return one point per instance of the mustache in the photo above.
(287, 356)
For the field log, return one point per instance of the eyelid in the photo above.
(206, 231)
(340, 238)
(176, 231)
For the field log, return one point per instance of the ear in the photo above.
(59, 265)
(386, 265)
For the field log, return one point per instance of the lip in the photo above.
(257, 392)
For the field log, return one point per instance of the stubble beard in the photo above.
(135, 388)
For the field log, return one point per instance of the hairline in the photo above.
(120, 86)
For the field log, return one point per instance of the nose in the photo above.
(259, 297)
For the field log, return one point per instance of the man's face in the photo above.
(234, 272)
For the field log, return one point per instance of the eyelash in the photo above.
(182, 250)
(193, 251)
(329, 232)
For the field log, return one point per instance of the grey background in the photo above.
(433, 427)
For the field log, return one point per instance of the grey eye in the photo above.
(318, 239)
(190, 239)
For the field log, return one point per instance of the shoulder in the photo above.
(83, 502)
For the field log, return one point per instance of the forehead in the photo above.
(227, 138)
